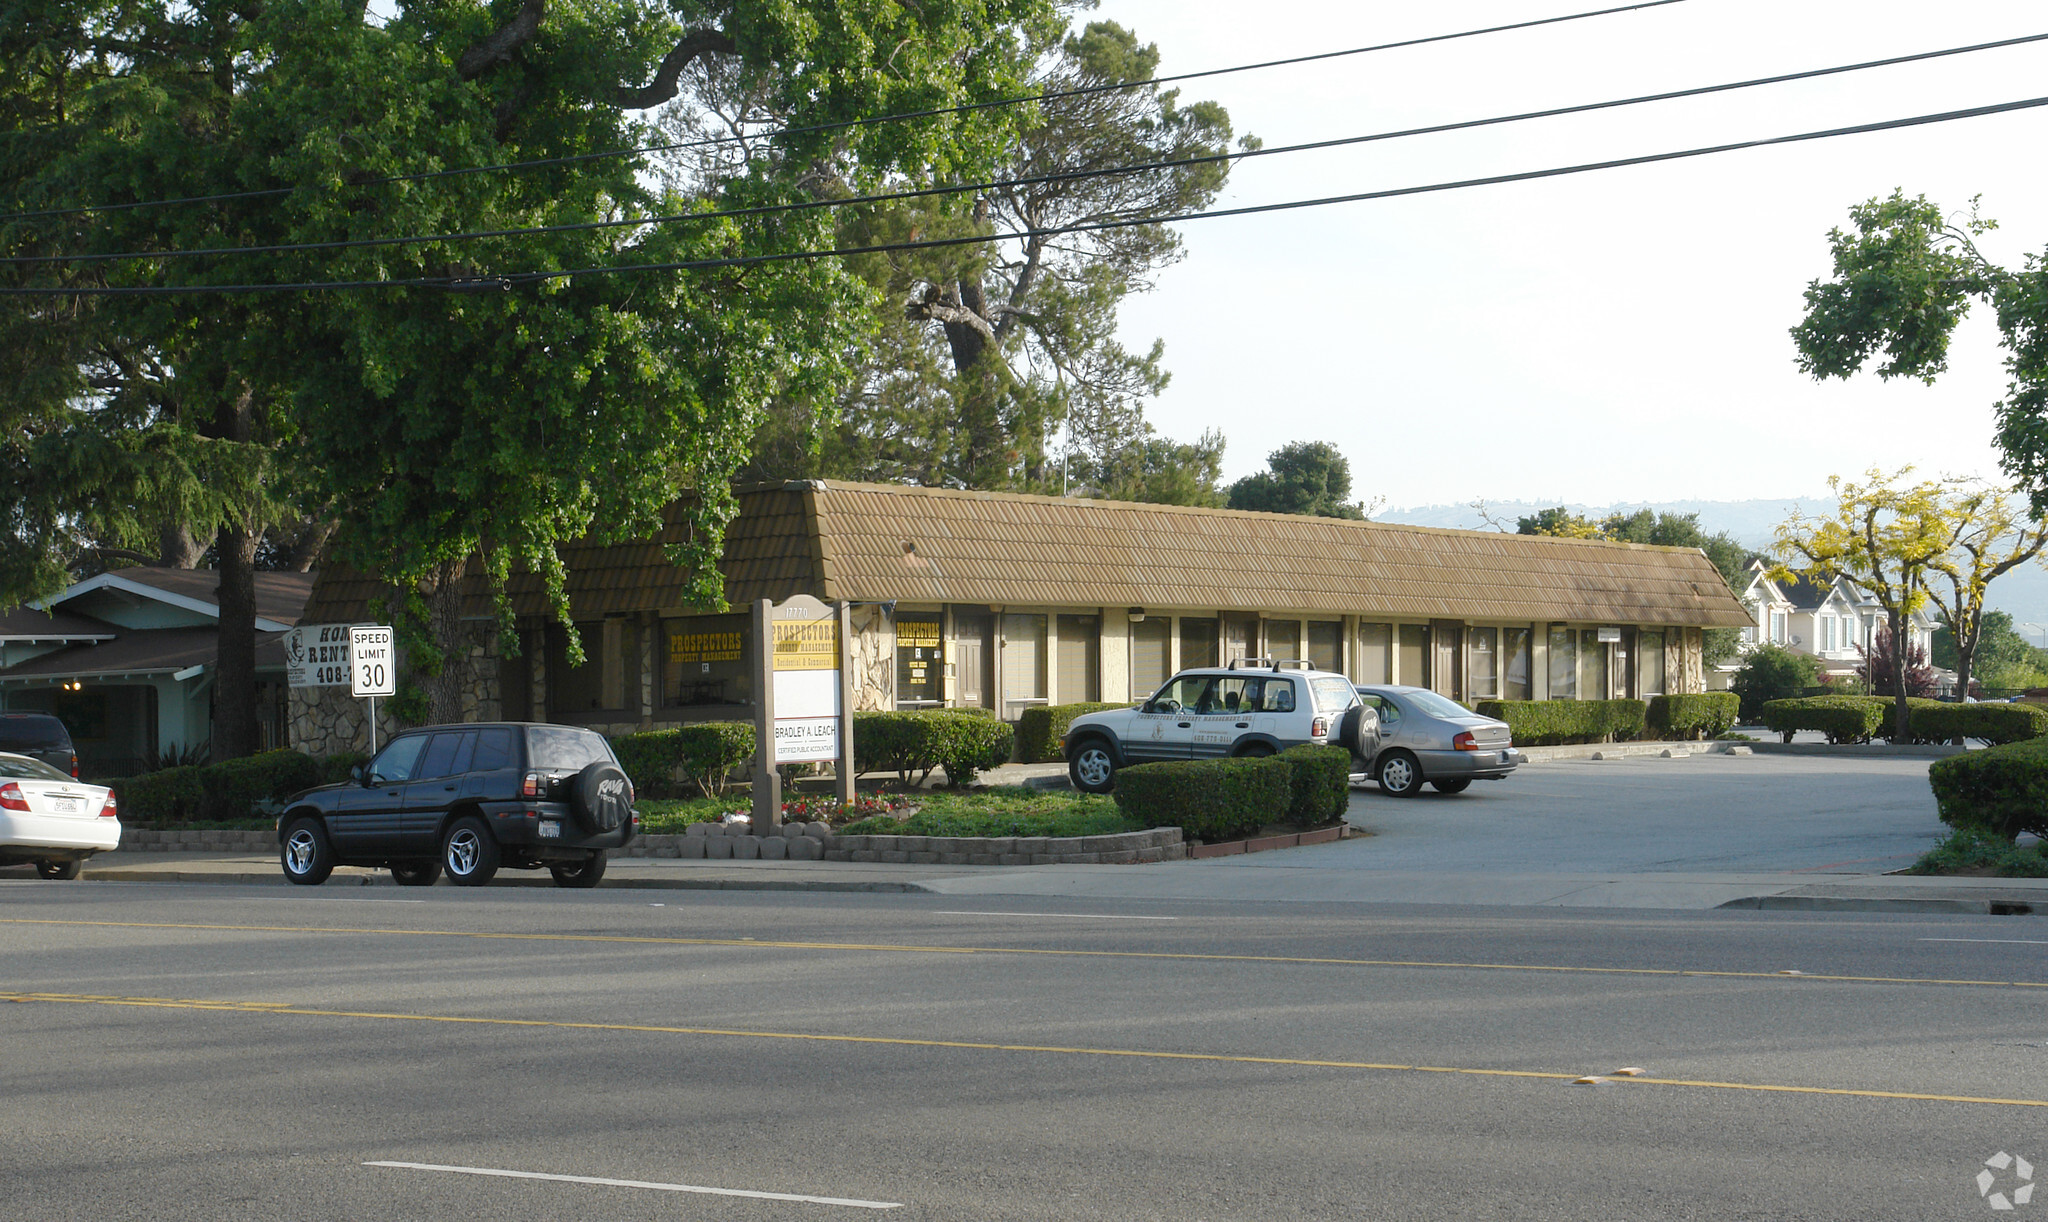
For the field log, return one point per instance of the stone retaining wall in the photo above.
(797, 842)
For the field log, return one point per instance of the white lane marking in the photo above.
(592, 1179)
(2000, 941)
(1072, 916)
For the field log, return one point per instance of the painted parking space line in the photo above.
(1069, 916)
(278, 1009)
(1034, 951)
(849, 1202)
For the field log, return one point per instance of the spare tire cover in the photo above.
(599, 797)
(1347, 729)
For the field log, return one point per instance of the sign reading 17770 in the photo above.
(372, 666)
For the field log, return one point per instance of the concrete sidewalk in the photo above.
(1201, 881)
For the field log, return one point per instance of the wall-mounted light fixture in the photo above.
(1137, 615)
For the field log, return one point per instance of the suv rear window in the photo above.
(33, 732)
(1334, 693)
(564, 748)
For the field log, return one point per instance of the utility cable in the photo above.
(939, 112)
(1003, 184)
(500, 282)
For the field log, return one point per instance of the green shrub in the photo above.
(1973, 849)
(1993, 723)
(2003, 790)
(1207, 799)
(168, 795)
(650, 760)
(964, 742)
(1321, 783)
(1700, 715)
(335, 769)
(1039, 730)
(1844, 719)
(1772, 672)
(231, 790)
(1545, 723)
(709, 750)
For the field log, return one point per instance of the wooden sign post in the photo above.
(804, 697)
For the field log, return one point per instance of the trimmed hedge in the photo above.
(1844, 719)
(1039, 729)
(1208, 800)
(965, 742)
(1700, 715)
(2001, 789)
(1994, 723)
(1548, 723)
(233, 789)
(1320, 784)
(704, 753)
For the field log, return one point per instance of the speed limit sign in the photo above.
(372, 670)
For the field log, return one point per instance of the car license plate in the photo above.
(66, 806)
(550, 829)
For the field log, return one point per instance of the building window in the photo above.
(1326, 644)
(1149, 638)
(577, 689)
(1650, 664)
(1023, 663)
(1079, 668)
(920, 666)
(1778, 627)
(1482, 663)
(1197, 642)
(1564, 663)
(1592, 666)
(704, 661)
(1415, 655)
(1283, 638)
(1375, 643)
(1515, 664)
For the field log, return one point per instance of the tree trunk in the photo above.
(234, 682)
(1966, 635)
(1902, 713)
(444, 688)
(177, 548)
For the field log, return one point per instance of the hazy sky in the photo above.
(1607, 337)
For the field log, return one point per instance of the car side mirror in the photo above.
(356, 774)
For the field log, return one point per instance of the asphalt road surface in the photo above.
(264, 1053)
(1644, 814)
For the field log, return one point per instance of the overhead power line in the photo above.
(1000, 184)
(519, 278)
(813, 129)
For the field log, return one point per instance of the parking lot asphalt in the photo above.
(1689, 832)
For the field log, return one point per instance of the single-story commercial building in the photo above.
(1006, 601)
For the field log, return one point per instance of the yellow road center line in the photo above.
(1212, 1058)
(907, 948)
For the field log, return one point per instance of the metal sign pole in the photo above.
(373, 724)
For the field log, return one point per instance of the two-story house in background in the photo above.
(1830, 620)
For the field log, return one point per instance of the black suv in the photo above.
(468, 799)
(39, 736)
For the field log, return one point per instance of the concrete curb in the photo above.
(1861, 750)
(1821, 903)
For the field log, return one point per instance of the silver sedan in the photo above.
(1429, 738)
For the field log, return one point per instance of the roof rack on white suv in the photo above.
(1271, 664)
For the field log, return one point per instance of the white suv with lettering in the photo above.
(1253, 706)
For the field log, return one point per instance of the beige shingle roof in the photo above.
(929, 545)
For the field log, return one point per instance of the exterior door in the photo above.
(973, 655)
(1447, 672)
(1079, 666)
(1240, 637)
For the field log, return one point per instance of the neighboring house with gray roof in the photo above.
(127, 660)
(1005, 601)
(1831, 620)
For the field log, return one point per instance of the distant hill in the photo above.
(2023, 592)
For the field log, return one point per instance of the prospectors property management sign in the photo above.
(805, 665)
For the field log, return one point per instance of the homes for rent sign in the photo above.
(316, 655)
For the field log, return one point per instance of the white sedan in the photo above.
(50, 819)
